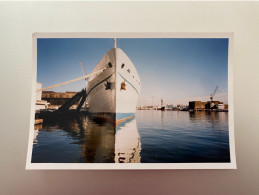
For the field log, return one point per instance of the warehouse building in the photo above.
(199, 106)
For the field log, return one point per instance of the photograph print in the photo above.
(131, 102)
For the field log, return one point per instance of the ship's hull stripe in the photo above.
(120, 115)
(129, 83)
(98, 84)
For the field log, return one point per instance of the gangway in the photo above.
(80, 95)
(82, 101)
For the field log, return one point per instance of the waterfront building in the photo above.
(199, 106)
(40, 104)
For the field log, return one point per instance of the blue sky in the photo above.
(179, 70)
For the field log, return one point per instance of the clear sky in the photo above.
(179, 70)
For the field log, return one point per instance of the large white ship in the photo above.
(115, 90)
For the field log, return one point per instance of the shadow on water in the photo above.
(84, 139)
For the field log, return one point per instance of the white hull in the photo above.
(105, 91)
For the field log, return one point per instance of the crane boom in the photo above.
(212, 95)
(215, 91)
(83, 68)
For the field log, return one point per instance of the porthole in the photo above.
(128, 70)
(110, 64)
(122, 66)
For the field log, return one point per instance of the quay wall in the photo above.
(57, 98)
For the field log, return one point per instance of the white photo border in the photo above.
(133, 166)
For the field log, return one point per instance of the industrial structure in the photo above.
(209, 105)
(57, 98)
(40, 104)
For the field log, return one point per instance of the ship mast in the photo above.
(162, 102)
(115, 43)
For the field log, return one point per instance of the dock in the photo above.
(38, 121)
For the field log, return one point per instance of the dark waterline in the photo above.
(150, 137)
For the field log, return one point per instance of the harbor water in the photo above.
(152, 136)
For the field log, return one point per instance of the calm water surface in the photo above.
(150, 137)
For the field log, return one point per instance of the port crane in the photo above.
(212, 95)
(83, 68)
(84, 72)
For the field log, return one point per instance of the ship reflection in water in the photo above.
(150, 137)
(84, 140)
(127, 142)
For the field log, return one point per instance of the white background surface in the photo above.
(19, 20)
(84, 166)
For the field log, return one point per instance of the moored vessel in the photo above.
(114, 92)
